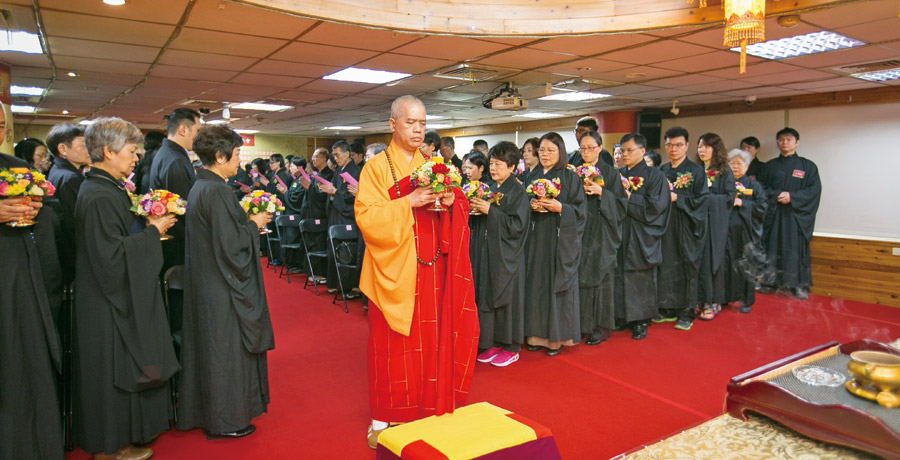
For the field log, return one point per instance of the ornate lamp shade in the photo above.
(745, 23)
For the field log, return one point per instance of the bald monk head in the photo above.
(408, 123)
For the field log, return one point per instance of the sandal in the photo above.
(708, 314)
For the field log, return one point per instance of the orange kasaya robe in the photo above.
(423, 327)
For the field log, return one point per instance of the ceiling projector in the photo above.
(505, 98)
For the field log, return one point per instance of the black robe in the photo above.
(272, 186)
(30, 425)
(339, 208)
(683, 242)
(242, 177)
(123, 353)
(478, 253)
(575, 158)
(142, 173)
(552, 254)
(172, 170)
(711, 286)
(788, 227)
(293, 199)
(641, 249)
(227, 329)
(502, 313)
(67, 179)
(744, 255)
(755, 168)
(602, 237)
(314, 207)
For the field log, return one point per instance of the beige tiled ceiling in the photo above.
(226, 52)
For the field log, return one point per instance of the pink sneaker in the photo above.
(487, 356)
(504, 358)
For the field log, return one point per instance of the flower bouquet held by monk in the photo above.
(476, 189)
(259, 201)
(542, 188)
(24, 182)
(159, 203)
(439, 176)
(590, 173)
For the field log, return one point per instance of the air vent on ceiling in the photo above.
(870, 66)
(468, 72)
(586, 84)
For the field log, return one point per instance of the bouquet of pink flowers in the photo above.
(259, 201)
(476, 189)
(436, 174)
(24, 182)
(590, 173)
(543, 188)
(158, 203)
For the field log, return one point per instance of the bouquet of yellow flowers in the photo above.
(259, 201)
(476, 189)
(436, 174)
(24, 182)
(590, 173)
(741, 190)
(543, 188)
(158, 203)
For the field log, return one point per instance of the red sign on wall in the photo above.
(249, 140)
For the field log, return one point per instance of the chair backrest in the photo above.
(313, 226)
(292, 220)
(343, 232)
(174, 278)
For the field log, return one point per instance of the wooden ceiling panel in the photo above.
(406, 64)
(450, 48)
(592, 44)
(322, 55)
(331, 33)
(134, 10)
(80, 64)
(663, 51)
(101, 50)
(230, 17)
(191, 73)
(205, 60)
(87, 27)
(206, 41)
(295, 69)
(525, 58)
(281, 81)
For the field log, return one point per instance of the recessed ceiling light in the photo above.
(114, 2)
(215, 122)
(261, 106)
(21, 108)
(635, 75)
(72, 74)
(343, 128)
(16, 90)
(246, 131)
(438, 126)
(365, 76)
(582, 69)
(800, 45)
(575, 96)
(22, 42)
(538, 115)
(65, 112)
(434, 117)
(879, 75)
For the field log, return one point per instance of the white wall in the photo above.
(857, 151)
(464, 143)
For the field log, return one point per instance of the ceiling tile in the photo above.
(787, 77)
(205, 60)
(513, 41)
(271, 66)
(357, 37)
(231, 17)
(452, 48)
(668, 50)
(84, 26)
(684, 80)
(627, 90)
(715, 37)
(139, 11)
(24, 60)
(725, 85)
(332, 86)
(842, 57)
(708, 61)
(854, 13)
(678, 31)
(875, 31)
(225, 43)
(895, 46)
(584, 67)
(525, 58)
(30, 72)
(406, 64)
(79, 64)
(592, 44)
(241, 93)
(101, 50)
(322, 54)
(663, 94)
(755, 91)
(649, 73)
(303, 96)
(832, 83)
(191, 73)
(269, 80)
(88, 78)
(762, 67)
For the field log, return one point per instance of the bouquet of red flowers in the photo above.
(436, 174)
(158, 203)
(259, 201)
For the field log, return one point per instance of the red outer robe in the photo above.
(428, 372)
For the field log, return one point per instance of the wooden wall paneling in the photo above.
(854, 269)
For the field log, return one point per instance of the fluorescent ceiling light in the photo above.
(816, 42)
(261, 106)
(22, 42)
(246, 131)
(365, 76)
(538, 115)
(21, 108)
(438, 126)
(575, 96)
(434, 117)
(215, 122)
(343, 128)
(114, 2)
(16, 90)
(880, 75)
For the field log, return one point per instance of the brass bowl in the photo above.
(877, 377)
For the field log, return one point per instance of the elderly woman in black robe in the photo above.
(744, 254)
(553, 253)
(227, 330)
(123, 353)
(605, 205)
(501, 304)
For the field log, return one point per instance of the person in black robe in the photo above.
(293, 202)
(448, 151)
(751, 146)
(476, 169)
(744, 255)
(682, 243)
(314, 207)
(66, 143)
(583, 126)
(227, 330)
(123, 352)
(241, 183)
(30, 425)
(530, 159)
(552, 253)
(279, 181)
(641, 251)
(605, 206)
(793, 190)
(501, 304)
(711, 292)
(339, 208)
(153, 140)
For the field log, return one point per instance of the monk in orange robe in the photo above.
(423, 329)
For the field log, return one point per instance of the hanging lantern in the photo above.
(745, 24)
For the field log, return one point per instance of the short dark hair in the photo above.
(341, 145)
(276, 157)
(63, 133)
(213, 139)
(596, 136)
(676, 131)
(654, 157)
(25, 148)
(476, 158)
(480, 142)
(588, 122)
(752, 141)
(181, 116)
(358, 148)
(153, 140)
(535, 144)
(449, 141)
(638, 139)
(299, 161)
(791, 131)
(432, 138)
(261, 165)
(557, 140)
(506, 152)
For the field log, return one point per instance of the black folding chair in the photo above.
(272, 260)
(173, 280)
(342, 241)
(309, 227)
(288, 228)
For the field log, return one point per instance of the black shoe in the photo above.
(231, 434)
(551, 352)
(597, 337)
(534, 347)
(766, 290)
(639, 331)
(799, 293)
(745, 308)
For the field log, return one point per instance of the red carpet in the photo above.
(598, 401)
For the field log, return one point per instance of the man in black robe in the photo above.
(314, 207)
(582, 126)
(642, 230)
(793, 190)
(340, 211)
(66, 143)
(279, 181)
(682, 244)
(448, 151)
